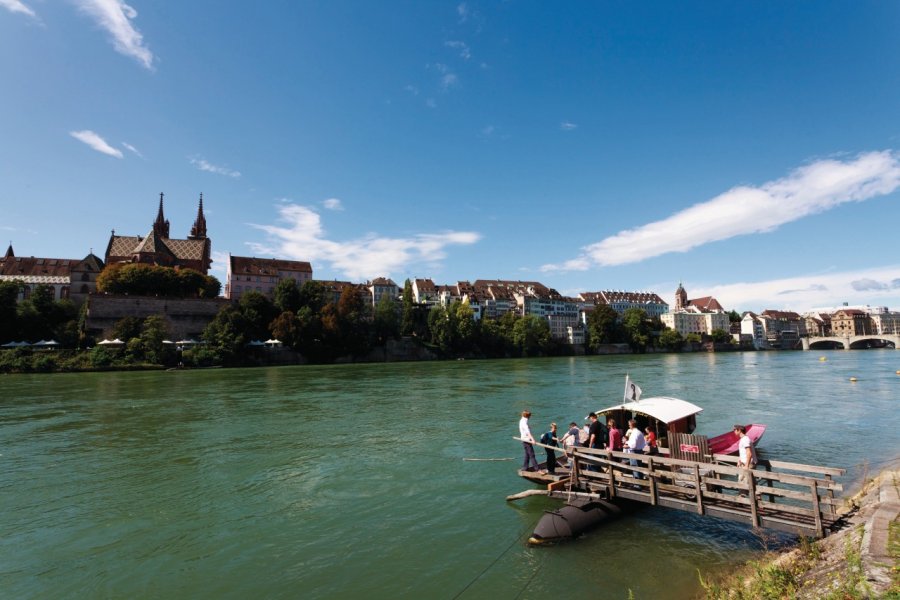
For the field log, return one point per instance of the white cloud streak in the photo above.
(333, 204)
(131, 148)
(567, 126)
(744, 210)
(15, 6)
(461, 47)
(96, 142)
(302, 237)
(116, 18)
(205, 165)
(878, 286)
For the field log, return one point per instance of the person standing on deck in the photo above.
(635, 445)
(746, 453)
(615, 436)
(571, 439)
(597, 436)
(531, 463)
(549, 439)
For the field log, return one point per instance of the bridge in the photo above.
(850, 341)
(779, 495)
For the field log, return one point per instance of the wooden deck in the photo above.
(777, 495)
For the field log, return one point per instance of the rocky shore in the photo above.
(858, 561)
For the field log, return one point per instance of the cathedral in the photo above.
(157, 248)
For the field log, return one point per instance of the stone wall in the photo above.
(185, 317)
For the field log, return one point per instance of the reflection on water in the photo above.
(346, 481)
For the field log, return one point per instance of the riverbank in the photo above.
(862, 560)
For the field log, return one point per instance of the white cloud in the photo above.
(430, 103)
(878, 286)
(115, 17)
(412, 89)
(96, 142)
(567, 126)
(15, 6)
(131, 148)
(461, 47)
(743, 210)
(219, 267)
(204, 165)
(303, 238)
(333, 204)
(462, 9)
(448, 81)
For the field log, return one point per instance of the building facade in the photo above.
(250, 274)
(69, 278)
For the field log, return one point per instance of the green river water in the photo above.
(349, 481)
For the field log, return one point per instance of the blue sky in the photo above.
(748, 150)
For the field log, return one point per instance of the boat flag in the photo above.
(632, 390)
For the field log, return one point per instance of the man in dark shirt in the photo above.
(597, 436)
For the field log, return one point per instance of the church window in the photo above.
(85, 277)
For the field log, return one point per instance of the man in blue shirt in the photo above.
(549, 439)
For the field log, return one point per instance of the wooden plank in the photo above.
(654, 494)
(816, 510)
(699, 491)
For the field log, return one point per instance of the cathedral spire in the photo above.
(9, 251)
(161, 225)
(198, 231)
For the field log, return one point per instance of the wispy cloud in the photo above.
(878, 286)
(430, 103)
(116, 18)
(743, 210)
(301, 236)
(449, 81)
(567, 126)
(15, 6)
(462, 10)
(412, 89)
(131, 148)
(96, 142)
(204, 165)
(461, 47)
(333, 204)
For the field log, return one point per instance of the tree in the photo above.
(734, 316)
(153, 331)
(408, 317)
(602, 326)
(226, 334)
(287, 296)
(127, 328)
(464, 321)
(531, 335)
(385, 324)
(671, 340)
(353, 315)
(440, 327)
(258, 312)
(720, 336)
(637, 328)
(314, 295)
(153, 280)
(9, 294)
(287, 328)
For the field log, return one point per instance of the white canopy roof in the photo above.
(662, 408)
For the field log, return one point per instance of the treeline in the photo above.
(151, 280)
(38, 317)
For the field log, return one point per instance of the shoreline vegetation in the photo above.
(862, 560)
(312, 326)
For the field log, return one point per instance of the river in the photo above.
(349, 481)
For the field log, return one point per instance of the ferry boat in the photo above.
(665, 415)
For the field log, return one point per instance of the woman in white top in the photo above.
(527, 441)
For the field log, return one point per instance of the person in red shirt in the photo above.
(615, 436)
(651, 441)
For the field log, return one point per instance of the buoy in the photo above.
(822, 358)
(853, 379)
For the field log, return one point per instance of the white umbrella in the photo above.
(115, 342)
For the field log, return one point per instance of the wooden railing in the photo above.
(775, 494)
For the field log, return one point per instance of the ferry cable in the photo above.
(516, 540)
(530, 579)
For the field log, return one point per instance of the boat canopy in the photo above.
(661, 408)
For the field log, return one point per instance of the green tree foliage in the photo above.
(127, 328)
(466, 329)
(287, 296)
(734, 316)
(408, 317)
(9, 292)
(636, 325)
(386, 322)
(603, 327)
(153, 331)
(314, 295)
(258, 312)
(720, 336)
(441, 328)
(693, 338)
(531, 335)
(151, 280)
(226, 335)
(671, 340)
(353, 317)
